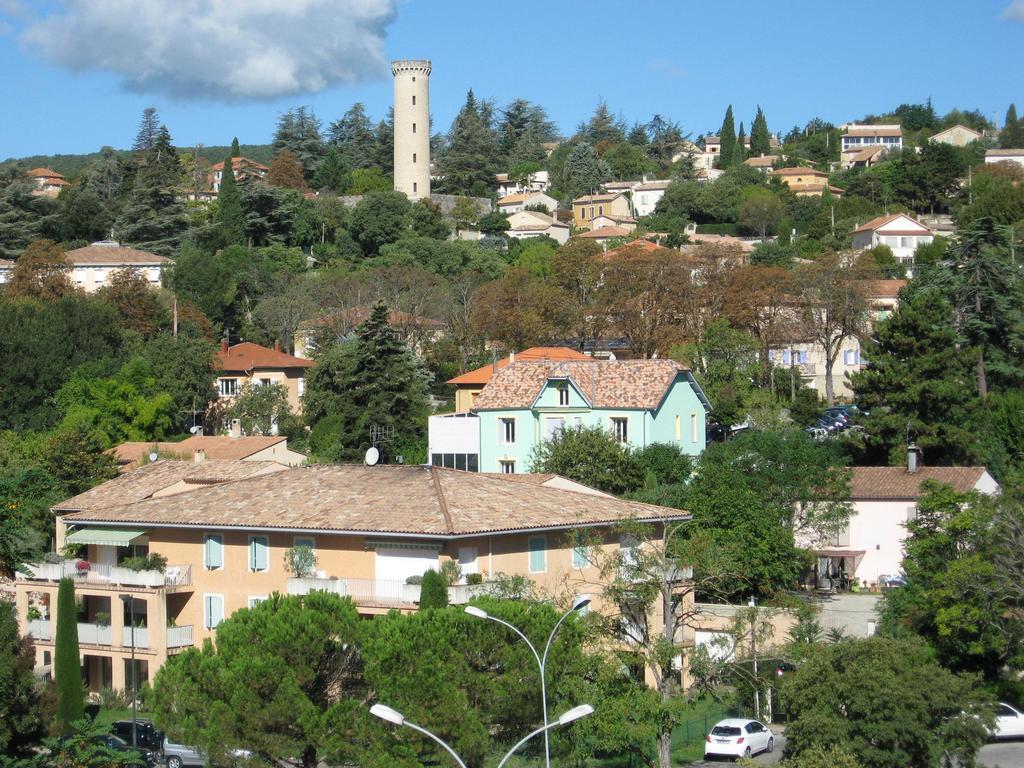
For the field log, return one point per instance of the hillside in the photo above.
(71, 165)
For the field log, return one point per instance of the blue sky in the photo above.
(78, 73)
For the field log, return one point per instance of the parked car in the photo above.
(143, 756)
(1009, 722)
(737, 737)
(179, 755)
(146, 734)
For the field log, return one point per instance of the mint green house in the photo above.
(639, 401)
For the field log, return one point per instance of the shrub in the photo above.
(451, 571)
(414, 580)
(300, 561)
(102, 618)
(434, 592)
(150, 562)
(474, 578)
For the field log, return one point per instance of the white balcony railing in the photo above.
(95, 634)
(379, 591)
(179, 637)
(41, 629)
(141, 637)
(114, 575)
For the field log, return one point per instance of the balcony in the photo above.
(385, 592)
(141, 637)
(98, 574)
(179, 637)
(40, 629)
(95, 634)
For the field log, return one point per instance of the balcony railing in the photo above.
(95, 634)
(114, 575)
(379, 591)
(41, 629)
(179, 637)
(141, 637)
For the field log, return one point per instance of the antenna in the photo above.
(372, 456)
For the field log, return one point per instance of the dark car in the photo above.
(146, 735)
(141, 755)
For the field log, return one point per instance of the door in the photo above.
(399, 563)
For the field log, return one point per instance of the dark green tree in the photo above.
(592, 456)
(433, 591)
(427, 220)
(335, 174)
(24, 217)
(230, 217)
(371, 381)
(666, 141)
(470, 160)
(523, 127)
(602, 128)
(760, 139)
(740, 152)
(384, 144)
(584, 171)
(1012, 135)
(298, 131)
(236, 151)
(354, 137)
(81, 216)
(727, 140)
(149, 129)
(378, 219)
(67, 665)
(21, 724)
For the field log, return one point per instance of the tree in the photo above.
(335, 174)
(834, 306)
(130, 293)
(236, 150)
(739, 154)
(576, 271)
(433, 591)
(602, 127)
(521, 131)
(760, 139)
(24, 216)
(353, 136)
(298, 132)
(82, 215)
(371, 381)
(427, 220)
(20, 721)
(378, 219)
(470, 159)
(761, 211)
(262, 409)
(384, 148)
(149, 128)
(286, 171)
(41, 272)
(727, 140)
(584, 171)
(886, 701)
(667, 140)
(592, 456)
(230, 217)
(280, 680)
(1012, 135)
(519, 309)
(67, 665)
(760, 302)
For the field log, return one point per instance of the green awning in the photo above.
(114, 537)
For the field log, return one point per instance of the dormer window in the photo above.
(563, 395)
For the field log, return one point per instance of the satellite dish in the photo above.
(372, 456)
(194, 430)
(154, 456)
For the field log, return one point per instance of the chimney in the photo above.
(494, 362)
(511, 358)
(913, 459)
(235, 430)
(199, 456)
(277, 346)
(223, 345)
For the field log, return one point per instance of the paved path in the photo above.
(1003, 754)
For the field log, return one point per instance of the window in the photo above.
(580, 556)
(563, 395)
(414, 127)
(467, 560)
(906, 242)
(227, 387)
(414, 99)
(553, 427)
(266, 382)
(414, 185)
(506, 431)
(258, 554)
(620, 428)
(851, 357)
(304, 541)
(213, 551)
(506, 467)
(414, 157)
(256, 600)
(538, 546)
(591, 211)
(213, 610)
(302, 385)
(693, 427)
(842, 538)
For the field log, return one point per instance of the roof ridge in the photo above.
(439, 489)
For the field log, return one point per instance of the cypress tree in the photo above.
(727, 140)
(235, 150)
(67, 665)
(1012, 135)
(433, 591)
(760, 139)
(230, 216)
(740, 152)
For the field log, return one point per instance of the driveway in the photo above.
(762, 759)
(1002, 754)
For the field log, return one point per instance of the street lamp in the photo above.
(129, 601)
(393, 716)
(542, 661)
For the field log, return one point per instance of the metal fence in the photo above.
(693, 730)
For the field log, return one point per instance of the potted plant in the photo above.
(300, 561)
(102, 619)
(82, 568)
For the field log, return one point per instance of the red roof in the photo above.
(247, 356)
(800, 171)
(898, 483)
(607, 232)
(885, 288)
(881, 221)
(44, 173)
(484, 373)
(238, 162)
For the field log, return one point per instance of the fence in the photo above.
(694, 730)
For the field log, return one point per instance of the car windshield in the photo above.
(725, 730)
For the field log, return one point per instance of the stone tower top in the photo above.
(410, 65)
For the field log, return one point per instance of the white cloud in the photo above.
(667, 68)
(1014, 11)
(232, 50)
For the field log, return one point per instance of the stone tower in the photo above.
(412, 128)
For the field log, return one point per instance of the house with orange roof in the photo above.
(93, 265)
(243, 168)
(255, 365)
(607, 235)
(199, 448)
(901, 232)
(521, 201)
(524, 225)
(48, 182)
(805, 182)
(585, 209)
(468, 385)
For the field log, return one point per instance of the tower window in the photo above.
(414, 157)
(414, 187)
(414, 99)
(414, 127)
(414, 78)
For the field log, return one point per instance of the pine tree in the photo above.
(433, 591)
(149, 127)
(760, 139)
(298, 131)
(1012, 135)
(727, 140)
(470, 161)
(67, 665)
(519, 120)
(286, 171)
(153, 217)
(235, 149)
(24, 216)
(584, 171)
(384, 144)
(602, 127)
(740, 152)
(230, 215)
(335, 174)
(354, 137)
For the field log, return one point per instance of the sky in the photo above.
(78, 73)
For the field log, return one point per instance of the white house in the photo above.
(957, 136)
(48, 182)
(524, 225)
(93, 265)
(857, 137)
(514, 203)
(884, 500)
(538, 181)
(646, 196)
(899, 231)
(6, 265)
(1005, 156)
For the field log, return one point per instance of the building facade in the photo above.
(93, 266)
(585, 209)
(412, 128)
(255, 365)
(900, 232)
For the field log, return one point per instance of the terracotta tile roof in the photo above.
(143, 482)
(520, 197)
(484, 373)
(872, 130)
(880, 221)
(109, 252)
(888, 289)
(44, 173)
(390, 499)
(619, 185)
(604, 383)
(587, 199)
(602, 232)
(764, 161)
(897, 483)
(815, 188)
(6, 264)
(1004, 153)
(239, 162)
(959, 126)
(801, 171)
(636, 248)
(652, 186)
(354, 316)
(246, 356)
(216, 447)
(864, 155)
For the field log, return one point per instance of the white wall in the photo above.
(459, 433)
(879, 528)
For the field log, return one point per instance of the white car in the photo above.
(1009, 722)
(737, 737)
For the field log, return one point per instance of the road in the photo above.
(1003, 754)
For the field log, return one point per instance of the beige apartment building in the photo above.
(249, 363)
(226, 527)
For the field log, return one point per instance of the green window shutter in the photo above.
(538, 554)
(214, 554)
(579, 557)
(214, 610)
(258, 553)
